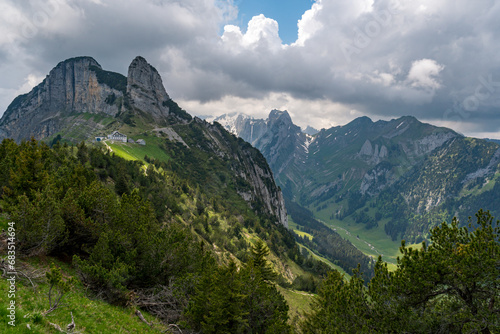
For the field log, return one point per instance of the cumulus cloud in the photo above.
(309, 25)
(262, 33)
(381, 58)
(423, 74)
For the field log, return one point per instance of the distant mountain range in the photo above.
(402, 176)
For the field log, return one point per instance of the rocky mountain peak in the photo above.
(76, 85)
(145, 89)
(310, 130)
(363, 121)
(282, 116)
(84, 61)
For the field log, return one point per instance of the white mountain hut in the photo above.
(117, 136)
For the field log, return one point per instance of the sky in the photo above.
(286, 12)
(325, 61)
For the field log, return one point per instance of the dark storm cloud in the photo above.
(438, 60)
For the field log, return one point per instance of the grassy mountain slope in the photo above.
(90, 315)
(224, 225)
(164, 232)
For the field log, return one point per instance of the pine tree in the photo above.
(258, 260)
(38, 222)
(219, 305)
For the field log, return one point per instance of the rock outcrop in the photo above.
(372, 154)
(146, 91)
(251, 167)
(280, 142)
(77, 85)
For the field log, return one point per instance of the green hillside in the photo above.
(90, 315)
(126, 228)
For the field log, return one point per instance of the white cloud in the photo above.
(262, 33)
(424, 73)
(308, 25)
(9, 94)
(31, 81)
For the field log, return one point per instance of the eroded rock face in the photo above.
(366, 149)
(145, 89)
(280, 142)
(79, 85)
(377, 179)
(70, 87)
(253, 168)
(430, 143)
(241, 125)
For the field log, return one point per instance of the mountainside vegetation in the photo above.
(449, 286)
(80, 100)
(454, 180)
(181, 227)
(328, 243)
(141, 234)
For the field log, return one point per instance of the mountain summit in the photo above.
(79, 86)
(145, 89)
(73, 86)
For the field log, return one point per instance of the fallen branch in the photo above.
(29, 279)
(161, 302)
(57, 327)
(139, 314)
(24, 270)
(174, 325)
(69, 328)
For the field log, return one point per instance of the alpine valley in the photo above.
(375, 182)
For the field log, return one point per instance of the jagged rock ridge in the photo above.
(249, 165)
(145, 89)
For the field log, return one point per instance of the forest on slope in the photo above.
(139, 232)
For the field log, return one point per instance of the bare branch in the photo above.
(175, 326)
(139, 314)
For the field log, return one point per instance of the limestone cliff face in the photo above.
(246, 127)
(71, 87)
(254, 178)
(146, 91)
(78, 86)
